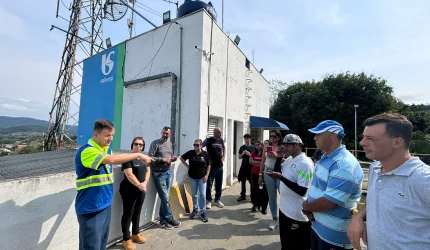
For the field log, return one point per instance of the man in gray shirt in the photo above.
(162, 153)
(397, 210)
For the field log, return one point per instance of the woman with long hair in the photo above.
(133, 190)
(267, 165)
(259, 197)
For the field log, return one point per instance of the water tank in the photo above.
(190, 6)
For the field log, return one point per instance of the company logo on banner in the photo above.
(107, 63)
(107, 67)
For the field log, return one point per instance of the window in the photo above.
(247, 63)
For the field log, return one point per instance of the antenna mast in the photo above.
(85, 31)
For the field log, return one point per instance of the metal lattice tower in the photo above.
(84, 38)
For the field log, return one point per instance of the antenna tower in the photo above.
(85, 33)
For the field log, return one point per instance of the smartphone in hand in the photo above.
(269, 149)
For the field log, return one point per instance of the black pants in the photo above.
(259, 197)
(294, 234)
(319, 244)
(132, 206)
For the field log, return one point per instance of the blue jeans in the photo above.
(94, 229)
(215, 174)
(318, 244)
(198, 192)
(272, 186)
(163, 182)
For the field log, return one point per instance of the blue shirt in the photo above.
(94, 180)
(338, 178)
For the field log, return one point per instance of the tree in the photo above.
(302, 105)
(28, 150)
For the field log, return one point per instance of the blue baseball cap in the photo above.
(330, 126)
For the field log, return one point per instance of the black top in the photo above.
(245, 158)
(317, 155)
(198, 163)
(214, 148)
(139, 170)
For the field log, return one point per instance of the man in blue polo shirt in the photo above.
(335, 189)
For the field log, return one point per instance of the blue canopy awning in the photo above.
(266, 123)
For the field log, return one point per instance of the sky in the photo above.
(292, 40)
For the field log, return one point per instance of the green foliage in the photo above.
(304, 104)
(29, 150)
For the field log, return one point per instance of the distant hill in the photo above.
(24, 128)
(8, 122)
(9, 125)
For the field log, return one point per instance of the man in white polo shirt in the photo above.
(296, 177)
(397, 211)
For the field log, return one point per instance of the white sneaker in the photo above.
(273, 225)
(219, 204)
(208, 204)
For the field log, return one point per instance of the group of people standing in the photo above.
(317, 199)
(95, 182)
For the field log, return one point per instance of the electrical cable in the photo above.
(155, 55)
(148, 10)
(146, 6)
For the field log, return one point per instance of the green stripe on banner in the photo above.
(119, 90)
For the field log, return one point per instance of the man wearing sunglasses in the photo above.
(162, 153)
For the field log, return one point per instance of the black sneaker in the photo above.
(264, 211)
(168, 226)
(241, 198)
(254, 209)
(193, 214)
(204, 217)
(175, 223)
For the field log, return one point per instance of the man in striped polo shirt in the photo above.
(335, 189)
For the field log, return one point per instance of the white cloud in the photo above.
(13, 107)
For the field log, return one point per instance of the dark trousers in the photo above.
(243, 189)
(131, 207)
(94, 229)
(294, 234)
(215, 174)
(259, 197)
(319, 244)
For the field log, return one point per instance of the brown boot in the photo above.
(138, 238)
(128, 245)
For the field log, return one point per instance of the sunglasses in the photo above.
(196, 145)
(273, 136)
(138, 144)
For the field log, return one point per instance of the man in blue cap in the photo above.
(335, 189)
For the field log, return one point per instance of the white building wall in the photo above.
(139, 53)
(227, 101)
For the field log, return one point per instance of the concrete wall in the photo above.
(140, 52)
(39, 213)
(223, 91)
(145, 115)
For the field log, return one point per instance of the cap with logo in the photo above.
(330, 126)
(291, 139)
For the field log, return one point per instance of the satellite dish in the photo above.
(114, 11)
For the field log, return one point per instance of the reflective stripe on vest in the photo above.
(94, 181)
(96, 161)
